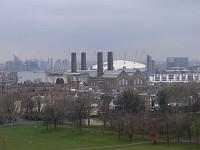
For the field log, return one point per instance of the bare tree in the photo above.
(130, 126)
(117, 121)
(195, 127)
(131, 101)
(153, 127)
(55, 110)
(79, 110)
(9, 107)
(104, 109)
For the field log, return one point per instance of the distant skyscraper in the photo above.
(58, 64)
(32, 64)
(9, 66)
(177, 62)
(50, 63)
(64, 64)
(17, 64)
(16, 58)
(151, 67)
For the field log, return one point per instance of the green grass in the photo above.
(159, 146)
(36, 137)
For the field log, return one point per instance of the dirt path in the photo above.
(112, 146)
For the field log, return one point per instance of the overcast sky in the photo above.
(55, 28)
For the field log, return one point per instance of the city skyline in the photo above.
(42, 29)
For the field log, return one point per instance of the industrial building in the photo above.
(105, 77)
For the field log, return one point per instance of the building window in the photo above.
(164, 78)
(120, 82)
(177, 77)
(190, 77)
(141, 82)
(171, 77)
(138, 81)
(126, 82)
(196, 77)
(157, 78)
(183, 77)
(123, 81)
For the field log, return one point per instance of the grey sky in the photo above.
(55, 28)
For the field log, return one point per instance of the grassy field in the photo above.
(36, 137)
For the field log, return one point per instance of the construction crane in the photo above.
(142, 56)
(124, 59)
(135, 58)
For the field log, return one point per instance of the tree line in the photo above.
(176, 118)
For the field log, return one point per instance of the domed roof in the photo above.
(120, 64)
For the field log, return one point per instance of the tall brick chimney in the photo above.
(99, 64)
(110, 60)
(83, 61)
(73, 62)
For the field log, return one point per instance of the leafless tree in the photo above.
(153, 127)
(55, 110)
(79, 109)
(104, 109)
(131, 101)
(195, 127)
(117, 122)
(8, 106)
(130, 126)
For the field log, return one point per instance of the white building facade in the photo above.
(169, 78)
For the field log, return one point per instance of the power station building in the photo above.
(104, 79)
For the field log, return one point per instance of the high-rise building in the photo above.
(58, 64)
(64, 64)
(9, 66)
(32, 64)
(50, 63)
(16, 58)
(13, 65)
(151, 67)
(177, 62)
(17, 64)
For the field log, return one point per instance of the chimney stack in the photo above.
(83, 61)
(99, 64)
(110, 60)
(73, 62)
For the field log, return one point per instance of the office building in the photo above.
(151, 67)
(50, 63)
(181, 62)
(32, 64)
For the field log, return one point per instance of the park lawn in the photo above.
(36, 137)
(32, 137)
(158, 146)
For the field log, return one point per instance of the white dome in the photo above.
(120, 64)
